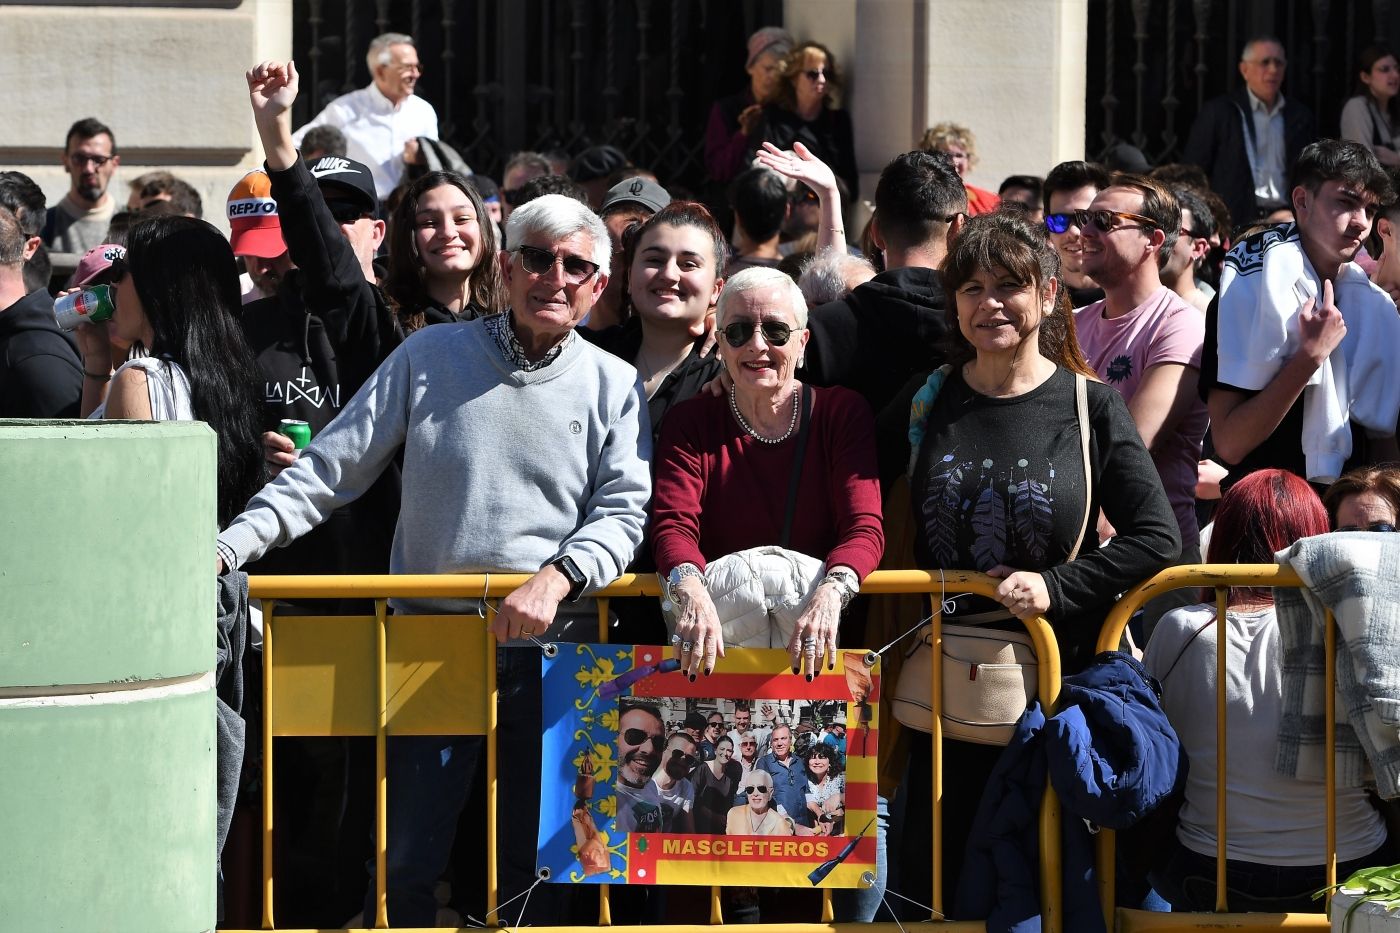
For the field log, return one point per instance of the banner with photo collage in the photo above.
(751, 776)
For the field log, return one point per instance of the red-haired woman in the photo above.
(1275, 838)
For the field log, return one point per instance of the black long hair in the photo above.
(185, 275)
(405, 284)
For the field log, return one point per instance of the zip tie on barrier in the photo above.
(485, 591)
(946, 604)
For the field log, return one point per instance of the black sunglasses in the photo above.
(815, 74)
(754, 789)
(775, 333)
(1108, 221)
(1374, 526)
(540, 261)
(804, 195)
(832, 817)
(346, 212)
(714, 725)
(689, 761)
(641, 737)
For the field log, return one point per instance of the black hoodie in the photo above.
(876, 338)
(316, 342)
(41, 374)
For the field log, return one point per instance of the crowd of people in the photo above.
(574, 372)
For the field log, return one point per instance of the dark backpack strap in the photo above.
(802, 433)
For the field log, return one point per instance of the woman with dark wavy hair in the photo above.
(1372, 116)
(177, 299)
(442, 254)
(1013, 455)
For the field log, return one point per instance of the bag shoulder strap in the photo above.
(800, 456)
(1081, 407)
(919, 409)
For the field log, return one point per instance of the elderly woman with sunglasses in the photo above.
(729, 478)
(758, 817)
(802, 111)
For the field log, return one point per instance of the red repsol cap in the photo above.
(252, 218)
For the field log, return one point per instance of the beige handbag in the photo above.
(989, 675)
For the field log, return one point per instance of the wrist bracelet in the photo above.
(98, 377)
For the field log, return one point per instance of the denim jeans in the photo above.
(1188, 881)
(859, 905)
(430, 778)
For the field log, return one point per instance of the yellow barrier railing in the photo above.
(409, 701)
(1219, 577)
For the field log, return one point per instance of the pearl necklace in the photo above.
(792, 425)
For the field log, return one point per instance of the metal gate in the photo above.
(1152, 63)
(547, 75)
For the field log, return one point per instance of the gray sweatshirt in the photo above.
(503, 470)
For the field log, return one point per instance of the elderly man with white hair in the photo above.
(382, 122)
(525, 450)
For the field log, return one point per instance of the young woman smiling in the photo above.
(671, 268)
(442, 255)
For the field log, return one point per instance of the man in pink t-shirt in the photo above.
(1143, 339)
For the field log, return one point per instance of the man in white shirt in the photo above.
(1247, 139)
(382, 122)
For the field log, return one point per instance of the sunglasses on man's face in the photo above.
(832, 817)
(689, 761)
(749, 744)
(714, 725)
(346, 212)
(756, 790)
(536, 261)
(641, 737)
(775, 333)
(1374, 526)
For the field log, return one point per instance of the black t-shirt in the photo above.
(1001, 481)
(1080, 297)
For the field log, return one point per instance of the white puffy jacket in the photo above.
(759, 594)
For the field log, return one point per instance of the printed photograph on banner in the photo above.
(749, 776)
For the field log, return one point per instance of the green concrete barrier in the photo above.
(107, 711)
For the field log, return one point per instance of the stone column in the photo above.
(168, 81)
(1011, 70)
(107, 703)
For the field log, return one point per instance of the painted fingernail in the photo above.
(809, 678)
(709, 671)
(794, 668)
(692, 678)
(831, 666)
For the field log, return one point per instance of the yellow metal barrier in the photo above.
(423, 686)
(1219, 577)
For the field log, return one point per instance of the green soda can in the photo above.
(91, 304)
(298, 431)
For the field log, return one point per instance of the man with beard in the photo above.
(79, 221)
(673, 786)
(640, 737)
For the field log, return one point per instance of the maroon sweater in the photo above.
(718, 490)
